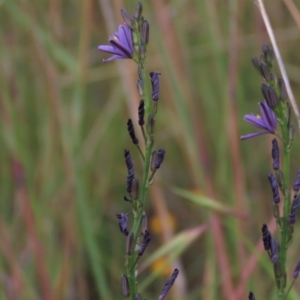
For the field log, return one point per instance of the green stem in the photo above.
(286, 211)
(138, 206)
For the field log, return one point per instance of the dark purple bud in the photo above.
(251, 296)
(268, 54)
(275, 154)
(151, 123)
(274, 251)
(155, 85)
(138, 296)
(138, 10)
(127, 199)
(294, 210)
(266, 237)
(274, 187)
(145, 32)
(144, 243)
(289, 114)
(123, 222)
(135, 189)
(130, 243)
(297, 270)
(265, 72)
(168, 285)
(296, 186)
(272, 98)
(264, 89)
(153, 160)
(131, 132)
(126, 17)
(256, 63)
(280, 179)
(140, 87)
(130, 170)
(125, 286)
(282, 89)
(159, 158)
(141, 112)
(144, 226)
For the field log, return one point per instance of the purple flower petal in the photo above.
(252, 135)
(120, 44)
(267, 121)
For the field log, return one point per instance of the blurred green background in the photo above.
(63, 132)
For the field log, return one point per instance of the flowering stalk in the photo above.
(275, 109)
(130, 41)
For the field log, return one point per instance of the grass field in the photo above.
(63, 133)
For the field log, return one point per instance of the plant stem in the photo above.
(138, 206)
(286, 210)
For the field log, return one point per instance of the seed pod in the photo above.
(291, 136)
(125, 286)
(168, 285)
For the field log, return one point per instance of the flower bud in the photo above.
(251, 296)
(296, 186)
(123, 222)
(297, 270)
(275, 154)
(138, 11)
(141, 112)
(265, 72)
(140, 87)
(125, 286)
(130, 243)
(138, 296)
(126, 17)
(274, 187)
(135, 189)
(282, 89)
(294, 210)
(145, 32)
(144, 243)
(168, 285)
(131, 132)
(144, 226)
(256, 63)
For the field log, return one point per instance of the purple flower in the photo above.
(121, 44)
(267, 121)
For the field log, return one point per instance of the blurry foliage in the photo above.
(62, 136)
